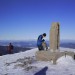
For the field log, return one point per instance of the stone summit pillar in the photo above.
(54, 45)
(54, 36)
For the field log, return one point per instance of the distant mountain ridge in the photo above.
(27, 45)
(33, 43)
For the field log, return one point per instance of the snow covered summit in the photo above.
(25, 63)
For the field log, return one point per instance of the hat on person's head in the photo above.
(44, 34)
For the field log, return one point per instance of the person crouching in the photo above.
(40, 41)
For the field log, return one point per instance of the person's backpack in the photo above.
(44, 45)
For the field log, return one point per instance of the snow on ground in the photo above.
(25, 63)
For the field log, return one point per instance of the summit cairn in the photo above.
(54, 52)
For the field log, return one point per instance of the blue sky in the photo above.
(26, 19)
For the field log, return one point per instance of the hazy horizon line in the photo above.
(36, 40)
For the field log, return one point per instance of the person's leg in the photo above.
(9, 51)
(42, 48)
(39, 48)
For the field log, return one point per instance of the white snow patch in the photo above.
(25, 63)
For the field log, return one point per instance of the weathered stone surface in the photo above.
(54, 36)
(48, 55)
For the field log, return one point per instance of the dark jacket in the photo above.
(39, 40)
